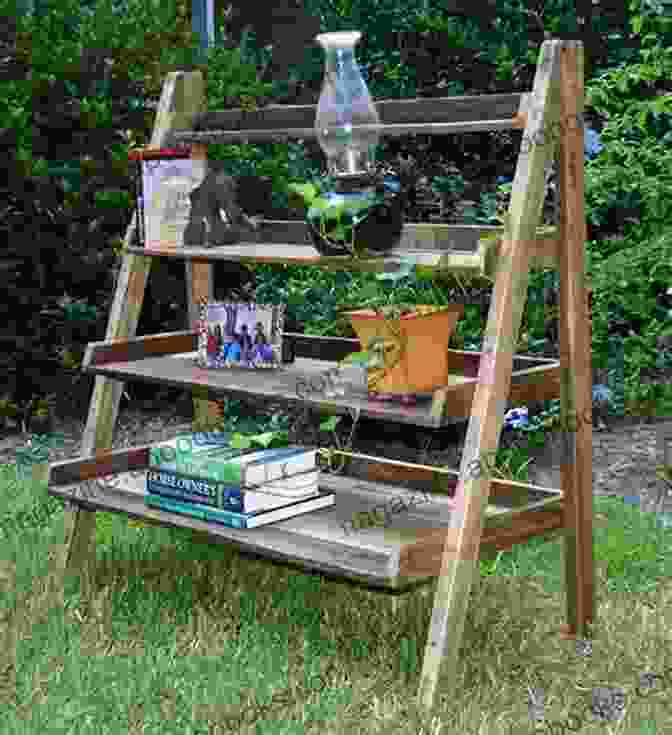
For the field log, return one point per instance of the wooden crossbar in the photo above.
(393, 131)
(433, 116)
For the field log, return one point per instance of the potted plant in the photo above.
(355, 220)
(405, 345)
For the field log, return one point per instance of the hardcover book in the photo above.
(241, 520)
(239, 467)
(231, 497)
(180, 451)
(235, 334)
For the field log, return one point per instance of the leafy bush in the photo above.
(70, 190)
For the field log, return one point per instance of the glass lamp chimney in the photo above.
(346, 123)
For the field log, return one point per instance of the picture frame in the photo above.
(165, 179)
(240, 335)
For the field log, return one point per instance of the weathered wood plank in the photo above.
(376, 470)
(504, 108)
(540, 383)
(431, 479)
(575, 350)
(464, 536)
(322, 348)
(287, 240)
(138, 348)
(311, 346)
(425, 556)
(361, 537)
(109, 462)
(174, 110)
(392, 131)
(181, 371)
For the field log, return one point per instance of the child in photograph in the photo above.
(212, 343)
(245, 341)
(218, 337)
(263, 352)
(233, 354)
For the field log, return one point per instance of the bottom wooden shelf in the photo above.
(333, 541)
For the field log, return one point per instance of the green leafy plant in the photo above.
(336, 222)
(265, 440)
(397, 293)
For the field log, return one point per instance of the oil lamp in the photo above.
(361, 210)
(346, 123)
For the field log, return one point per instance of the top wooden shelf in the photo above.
(429, 116)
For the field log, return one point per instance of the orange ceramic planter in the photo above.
(411, 352)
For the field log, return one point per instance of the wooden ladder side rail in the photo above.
(575, 351)
(182, 96)
(436, 116)
(462, 542)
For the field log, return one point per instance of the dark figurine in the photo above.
(206, 227)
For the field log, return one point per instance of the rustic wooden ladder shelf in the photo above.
(470, 515)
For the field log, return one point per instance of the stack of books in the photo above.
(239, 488)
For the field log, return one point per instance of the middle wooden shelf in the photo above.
(170, 359)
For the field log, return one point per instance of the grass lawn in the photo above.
(186, 637)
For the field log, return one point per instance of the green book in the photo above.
(243, 467)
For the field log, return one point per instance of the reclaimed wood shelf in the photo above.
(469, 249)
(403, 553)
(170, 359)
(444, 539)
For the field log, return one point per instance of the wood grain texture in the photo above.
(575, 350)
(392, 131)
(407, 475)
(284, 383)
(180, 99)
(398, 116)
(363, 537)
(315, 347)
(464, 538)
(426, 555)
(471, 249)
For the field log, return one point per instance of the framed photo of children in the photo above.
(240, 334)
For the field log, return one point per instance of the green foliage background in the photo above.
(628, 95)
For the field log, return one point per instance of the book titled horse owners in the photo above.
(233, 497)
(241, 467)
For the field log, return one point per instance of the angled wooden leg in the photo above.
(575, 353)
(462, 546)
(181, 98)
(103, 410)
